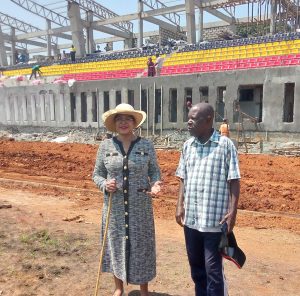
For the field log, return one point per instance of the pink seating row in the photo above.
(130, 73)
(271, 61)
(259, 62)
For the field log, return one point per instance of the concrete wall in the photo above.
(50, 104)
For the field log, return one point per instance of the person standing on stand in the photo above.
(224, 128)
(63, 55)
(72, 53)
(151, 68)
(158, 64)
(208, 197)
(126, 165)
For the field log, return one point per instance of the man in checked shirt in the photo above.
(208, 197)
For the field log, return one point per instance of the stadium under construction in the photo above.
(247, 68)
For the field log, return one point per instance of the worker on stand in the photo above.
(224, 128)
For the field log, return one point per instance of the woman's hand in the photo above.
(111, 185)
(155, 188)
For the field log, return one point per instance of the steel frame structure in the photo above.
(288, 11)
(103, 13)
(21, 26)
(43, 12)
(174, 18)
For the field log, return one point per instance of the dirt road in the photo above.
(49, 235)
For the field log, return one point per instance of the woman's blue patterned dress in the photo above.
(130, 246)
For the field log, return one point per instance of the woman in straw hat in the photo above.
(127, 166)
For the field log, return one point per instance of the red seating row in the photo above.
(260, 62)
(131, 73)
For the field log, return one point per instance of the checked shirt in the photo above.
(206, 169)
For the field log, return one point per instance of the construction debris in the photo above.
(288, 149)
(5, 206)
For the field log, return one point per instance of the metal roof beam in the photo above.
(111, 31)
(55, 32)
(9, 38)
(162, 24)
(20, 25)
(173, 17)
(165, 10)
(220, 15)
(104, 13)
(42, 11)
(113, 20)
(58, 32)
(221, 3)
(145, 14)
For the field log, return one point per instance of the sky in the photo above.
(120, 7)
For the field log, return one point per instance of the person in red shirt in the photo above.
(151, 68)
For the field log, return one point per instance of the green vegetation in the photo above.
(43, 242)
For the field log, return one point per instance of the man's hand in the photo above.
(230, 217)
(179, 214)
(230, 220)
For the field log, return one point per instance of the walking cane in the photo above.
(103, 243)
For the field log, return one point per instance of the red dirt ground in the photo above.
(49, 237)
(269, 183)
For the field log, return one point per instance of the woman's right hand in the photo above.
(111, 185)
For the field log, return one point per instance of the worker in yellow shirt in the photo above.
(224, 128)
(72, 53)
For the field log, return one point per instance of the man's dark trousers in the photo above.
(205, 262)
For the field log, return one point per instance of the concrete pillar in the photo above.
(67, 103)
(42, 98)
(150, 113)
(16, 109)
(90, 44)
(140, 23)
(48, 25)
(124, 95)
(33, 107)
(89, 106)
(136, 90)
(190, 21)
(297, 104)
(128, 43)
(33, 104)
(213, 95)
(165, 105)
(229, 99)
(61, 106)
(195, 95)
(51, 107)
(112, 98)
(273, 16)
(3, 56)
(56, 50)
(76, 28)
(201, 25)
(7, 109)
(24, 108)
(13, 46)
(47, 108)
(180, 104)
(100, 107)
(78, 108)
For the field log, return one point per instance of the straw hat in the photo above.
(109, 116)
